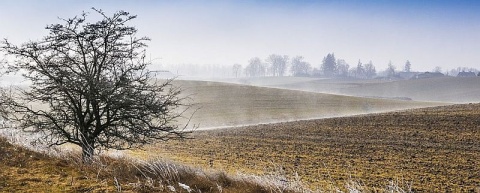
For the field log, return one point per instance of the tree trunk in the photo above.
(87, 152)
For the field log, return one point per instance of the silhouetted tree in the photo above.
(329, 65)
(255, 68)
(300, 67)
(342, 68)
(390, 69)
(90, 87)
(237, 68)
(407, 67)
(370, 71)
(360, 71)
(278, 64)
(3, 112)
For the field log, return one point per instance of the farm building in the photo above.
(466, 74)
(407, 75)
(428, 75)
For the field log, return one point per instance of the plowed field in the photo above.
(433, 149)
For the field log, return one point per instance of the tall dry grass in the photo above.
(127, 174)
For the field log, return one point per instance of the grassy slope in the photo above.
(22, 170)
(223, 104)
(435, 149)
(446, 89)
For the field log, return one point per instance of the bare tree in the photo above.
(3, 112)
(278, 64)
(342, 68)
(300, 67)
(255, 68)
(90, 87)
(237, 68)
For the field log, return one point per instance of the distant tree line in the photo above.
(278, 65)
(283, 65)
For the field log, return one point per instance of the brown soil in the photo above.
(432, 149)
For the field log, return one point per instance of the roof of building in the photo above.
(466, 74)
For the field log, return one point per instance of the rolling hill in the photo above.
(443, 89)
(225, 104)
(429, 144)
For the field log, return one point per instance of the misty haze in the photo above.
(240, 96)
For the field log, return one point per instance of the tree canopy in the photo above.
(390, 69)
(255, 68)
(300, 67)
(329, 65)
(90, 86)
(278, 64)
(408, 66)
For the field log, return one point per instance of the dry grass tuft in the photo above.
(24, 170)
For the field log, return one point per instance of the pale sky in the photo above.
(428, 33)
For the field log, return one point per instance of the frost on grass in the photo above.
(28, 140)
